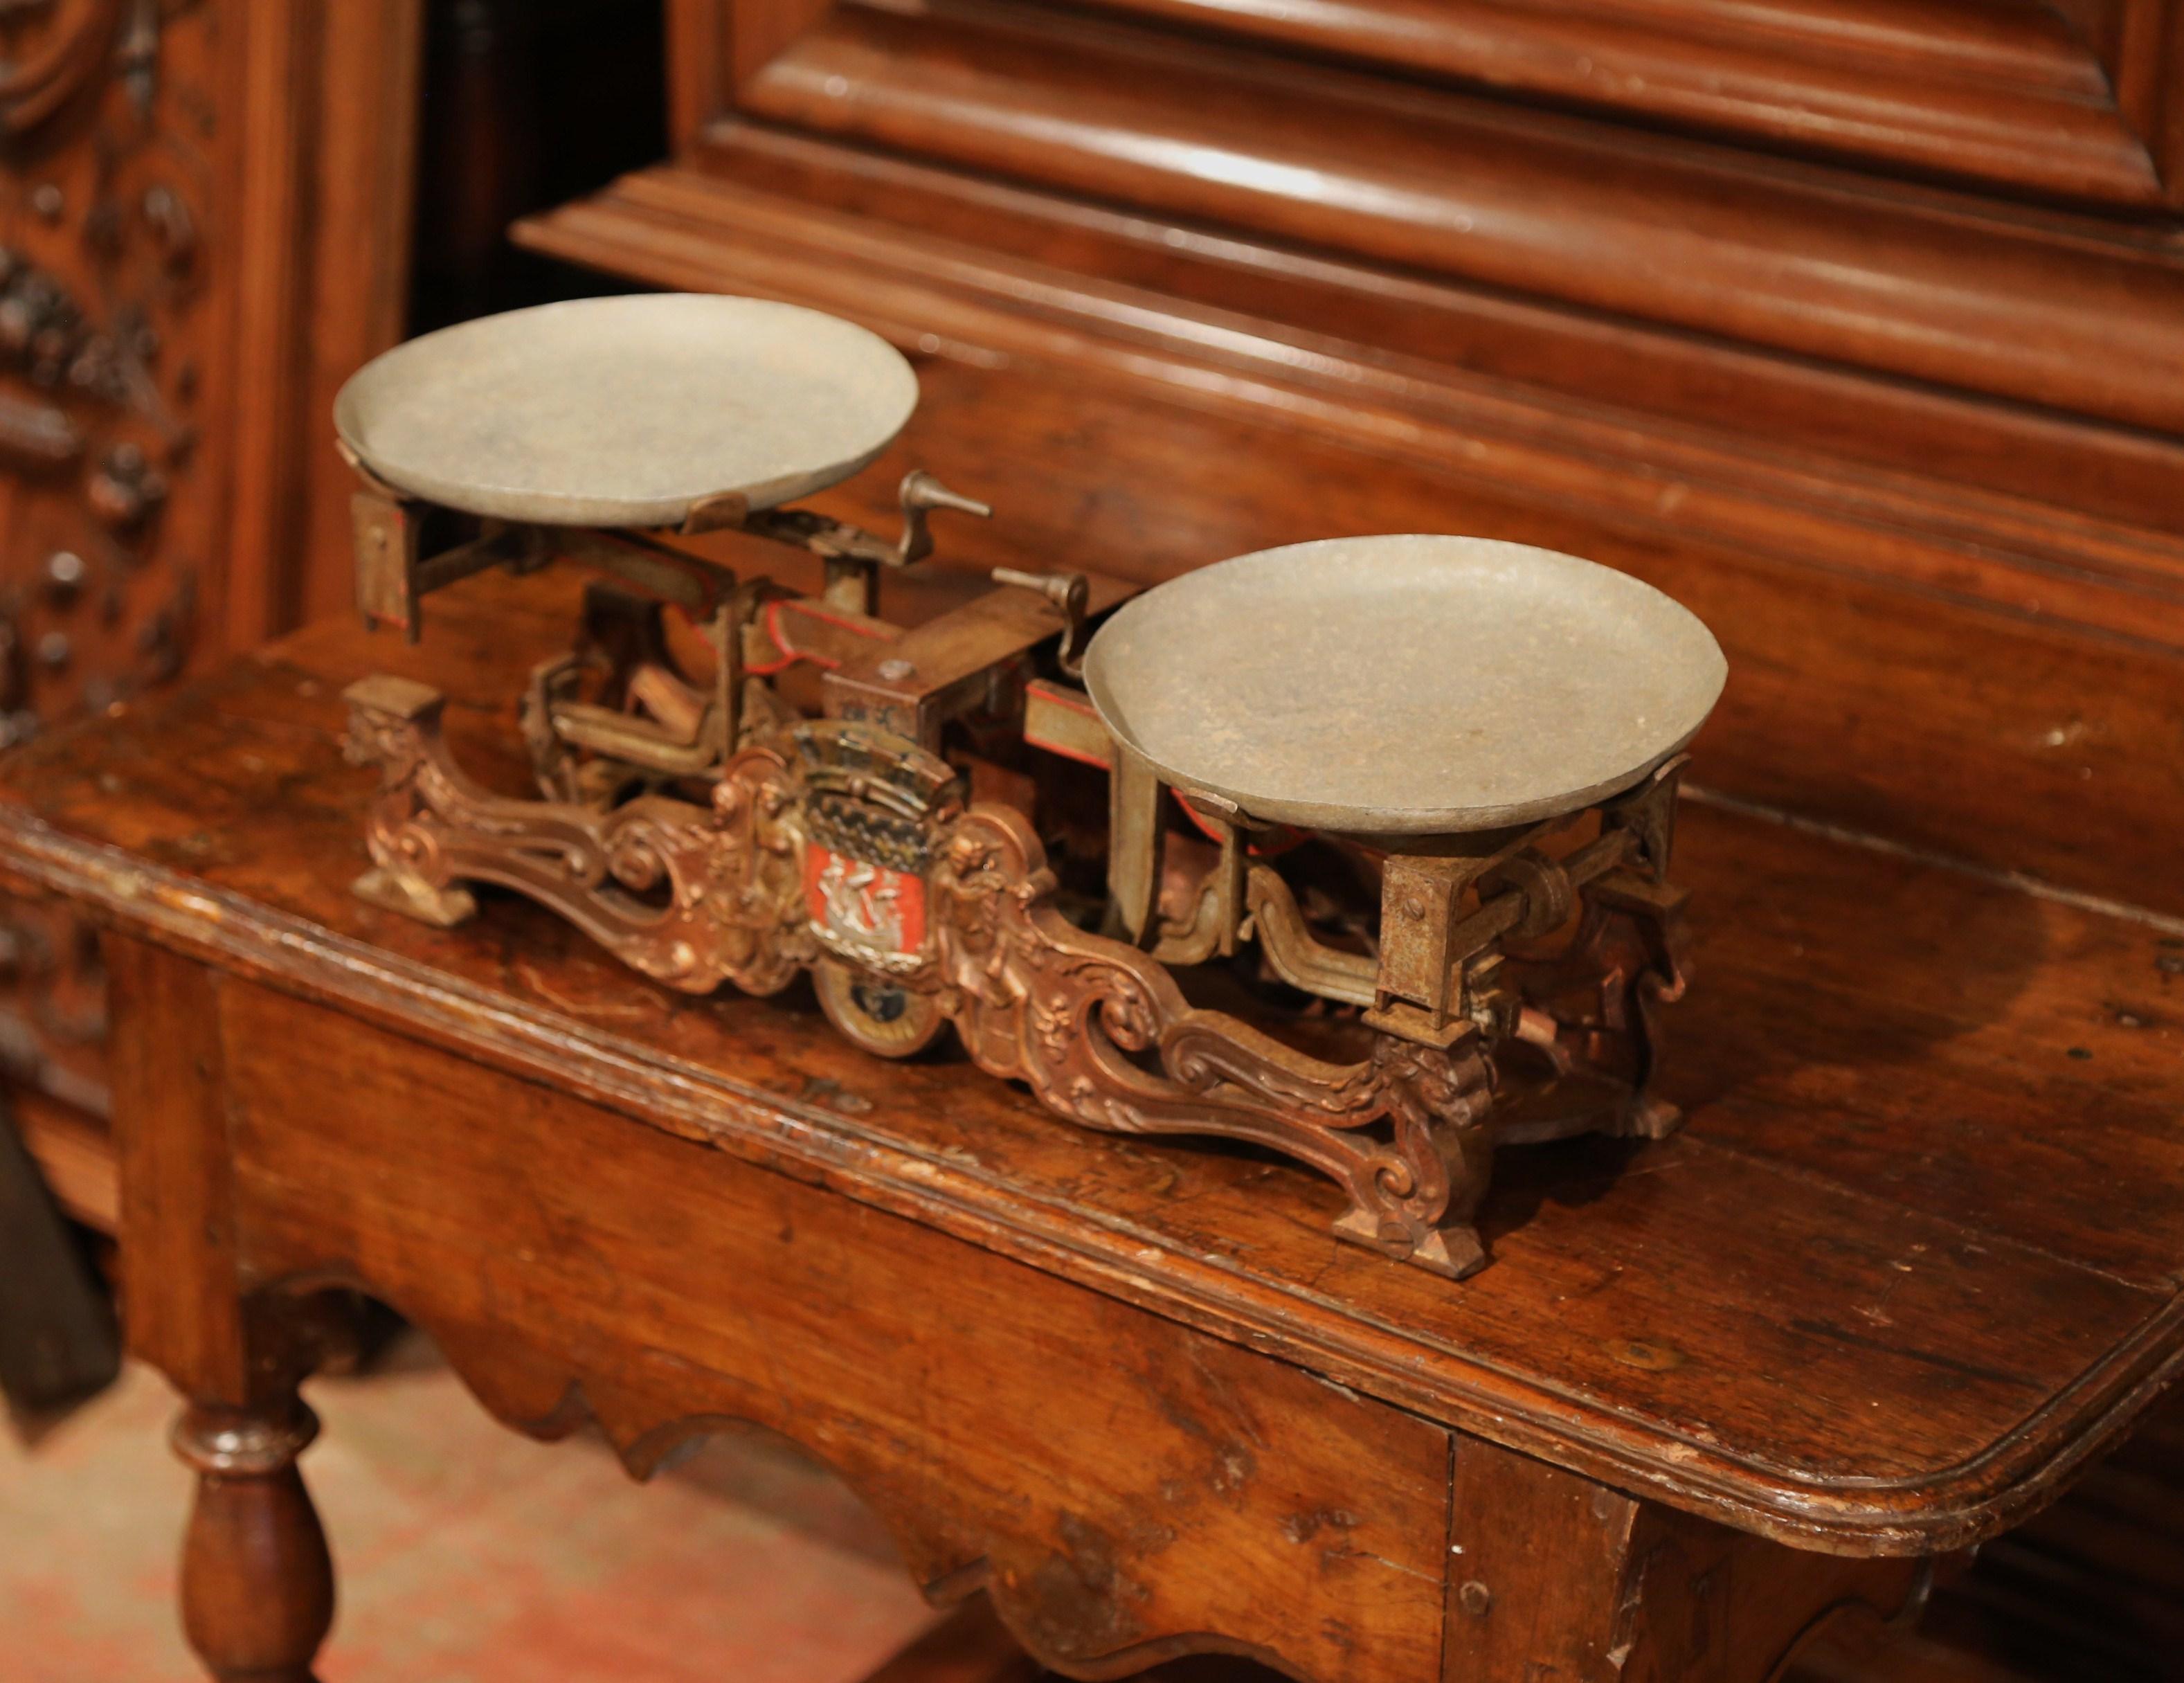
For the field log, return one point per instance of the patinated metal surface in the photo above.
(1405, 685)
(627, 411)
(843, 846)
(840, 847)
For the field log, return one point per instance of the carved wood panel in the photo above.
(180, 188)
(110, 339)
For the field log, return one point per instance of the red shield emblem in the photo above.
(864, 910)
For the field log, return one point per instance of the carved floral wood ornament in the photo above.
(180, 196)
(107, 497)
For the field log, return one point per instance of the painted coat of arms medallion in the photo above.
(872, 806)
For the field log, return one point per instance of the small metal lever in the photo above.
(1067, 591)
(922, 493)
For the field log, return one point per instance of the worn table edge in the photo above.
(1947, 1508)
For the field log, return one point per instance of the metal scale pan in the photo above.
(628, 412)
(1404, 686)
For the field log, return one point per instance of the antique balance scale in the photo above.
(1354, 850)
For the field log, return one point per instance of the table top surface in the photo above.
(1406, 685)
(1916, 1254)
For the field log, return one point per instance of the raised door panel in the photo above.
(1689, 238)
(2063, 101)
(112, 462)
(2013, 92)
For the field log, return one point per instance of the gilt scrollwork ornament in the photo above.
(835, 849)
(690, 894)
(1101, 1032)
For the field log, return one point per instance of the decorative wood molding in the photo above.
(985, 305)
(2064, 101)
(2072, 315)
(2009, 94)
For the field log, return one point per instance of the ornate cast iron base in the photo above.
(842, 850)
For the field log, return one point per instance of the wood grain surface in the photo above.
(1881, 1295)
(1018, 1433)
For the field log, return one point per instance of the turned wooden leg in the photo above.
(258, 1584)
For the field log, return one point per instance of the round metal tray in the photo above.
(1404, 685)
(625, 411)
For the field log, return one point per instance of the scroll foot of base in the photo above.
(1651, 1118)
(1453, 1251)
(397, 891)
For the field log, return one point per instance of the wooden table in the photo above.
(1914, 1262)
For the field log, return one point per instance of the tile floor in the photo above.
(465, 1553)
